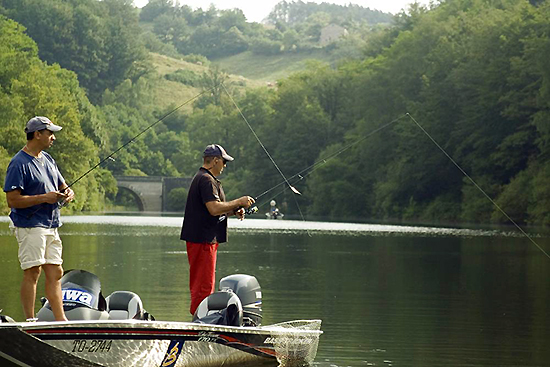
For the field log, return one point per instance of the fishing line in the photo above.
(478, 187)
(292, 188)
(110, 156)
(259, 141)
(324, 160)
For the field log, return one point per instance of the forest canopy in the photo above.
(473, 73)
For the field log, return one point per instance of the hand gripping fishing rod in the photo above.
(110, 156)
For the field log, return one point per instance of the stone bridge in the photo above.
(151, 192)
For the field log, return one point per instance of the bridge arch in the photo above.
(151, 192)
(134, 195)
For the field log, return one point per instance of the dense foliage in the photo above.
(291, 27)
(472, 73)
(29, 87)
(98, 40)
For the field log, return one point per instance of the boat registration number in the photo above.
(91, 346)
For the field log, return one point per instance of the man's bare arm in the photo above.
(18, 201)
(228, 207)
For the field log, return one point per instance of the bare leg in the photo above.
(53, 290)
(28, 290)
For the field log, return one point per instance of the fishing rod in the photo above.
(324, 160)
(254, 209)
(110, 156)
(301, 175)
(260, 142)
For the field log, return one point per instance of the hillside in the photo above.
(169, 92)
(270, 68)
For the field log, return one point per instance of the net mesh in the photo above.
(296, 342)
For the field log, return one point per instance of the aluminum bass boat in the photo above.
(117, 331)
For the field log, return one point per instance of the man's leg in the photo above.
(28, 290)
(53, 290)
(202, 271)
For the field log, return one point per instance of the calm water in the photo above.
(387, 295)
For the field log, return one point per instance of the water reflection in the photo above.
(387, 295)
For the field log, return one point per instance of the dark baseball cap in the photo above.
(40, 123)
(216, 150)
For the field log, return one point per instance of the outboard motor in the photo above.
(247, 288)
(82, 298)
(238, 303)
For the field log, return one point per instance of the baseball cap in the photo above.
(216, 150)
(40, 123)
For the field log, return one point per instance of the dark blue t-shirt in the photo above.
(34, 176)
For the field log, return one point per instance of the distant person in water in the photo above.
(34, 188)
(205, 222)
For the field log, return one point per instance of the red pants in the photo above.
(202, 271)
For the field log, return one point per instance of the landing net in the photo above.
(296, 342)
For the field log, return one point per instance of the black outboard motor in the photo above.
(238, 303)
(82, 298)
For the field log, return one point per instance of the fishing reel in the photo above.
(251, 210)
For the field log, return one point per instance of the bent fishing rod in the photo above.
(110, 156)
(254, 209)
(476, 185)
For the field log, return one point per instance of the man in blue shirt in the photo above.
(34, 188)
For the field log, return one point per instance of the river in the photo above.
(387, 295)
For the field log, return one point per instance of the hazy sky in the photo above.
(256, 10)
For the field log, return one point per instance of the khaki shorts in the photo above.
(38, 246)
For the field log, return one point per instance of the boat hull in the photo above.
(156, 343)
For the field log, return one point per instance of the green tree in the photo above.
(40, 89)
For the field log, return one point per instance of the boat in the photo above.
(118, 331)
(274, 212)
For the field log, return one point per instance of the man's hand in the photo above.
(246, 201)
(240, 213)
(69, 195)
(53, 197)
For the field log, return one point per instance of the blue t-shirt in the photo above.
(34, 176)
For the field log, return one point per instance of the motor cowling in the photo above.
(237, 303)
(247, 288)
(82, 298)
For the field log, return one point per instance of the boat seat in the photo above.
(220, 308)
(124, 305)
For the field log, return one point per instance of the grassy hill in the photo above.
(169, 93)
(245, 69)
(270, 68)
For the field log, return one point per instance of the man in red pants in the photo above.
(205, 222)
